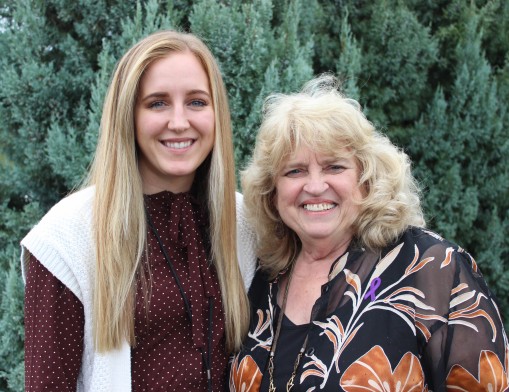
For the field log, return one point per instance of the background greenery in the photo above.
(432, 74)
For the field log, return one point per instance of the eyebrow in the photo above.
(294, 164)
(331, 160)
(161, 94)
(325, 161)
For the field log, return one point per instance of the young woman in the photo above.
(133, 283)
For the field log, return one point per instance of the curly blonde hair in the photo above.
(324, 120)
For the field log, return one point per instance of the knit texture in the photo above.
(63, 242)
(245, 244)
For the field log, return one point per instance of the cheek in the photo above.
(209, 126)
(285, 195)
(141, 128)
(147, 126)
(280, 195)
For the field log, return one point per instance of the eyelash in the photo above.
(199, 102)
(156, 104)
(330, 168)
(335, 168)
(293, 172)
(192, 103)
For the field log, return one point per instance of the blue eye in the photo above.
(156, 104)
(293, 172)
(198, 103)
(335, 168)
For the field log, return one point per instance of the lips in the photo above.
(178, 145)
(317, 207)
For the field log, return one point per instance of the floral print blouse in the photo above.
(417, 317)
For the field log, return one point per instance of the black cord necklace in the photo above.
(272, 353)
(290, 383)
(187, 306)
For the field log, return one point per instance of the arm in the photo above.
(470, 351)
(54, 326)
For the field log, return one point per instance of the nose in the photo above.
(178, 121)
(316, 184)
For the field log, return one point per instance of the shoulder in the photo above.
(67, 215)
(246, 243)
(62, 239)
(259, 288)
(239, 203)
(427, 243)
(77, 205)
(436, 262)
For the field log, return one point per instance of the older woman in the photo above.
(352, 293)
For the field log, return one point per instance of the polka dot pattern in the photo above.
(54, 325)
(167, 354)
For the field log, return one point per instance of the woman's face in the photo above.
(174, 120)
(315, 197)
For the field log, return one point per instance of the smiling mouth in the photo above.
(319, 207)
(178, 145)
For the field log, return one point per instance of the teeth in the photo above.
(178, 145)
(318, 207)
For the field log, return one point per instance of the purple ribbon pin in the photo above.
(375, 283)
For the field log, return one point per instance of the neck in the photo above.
(173, 187)
(316, 262)
(153, 182)
(316, 251)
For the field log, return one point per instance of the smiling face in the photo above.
(174, 120)
(316, 197)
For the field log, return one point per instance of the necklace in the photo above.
(290, 383)
(187, 306)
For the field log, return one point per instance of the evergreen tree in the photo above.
(460, 146)
(57, 109)
(435, 74)
(255, 58)
(49, 120)
(348, 66)
(398, 52)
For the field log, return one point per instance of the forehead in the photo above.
(177, 69)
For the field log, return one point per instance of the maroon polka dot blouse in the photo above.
(167, 354)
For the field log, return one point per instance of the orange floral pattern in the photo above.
(372, 372)
(245, 376)
(492, 376)
(406, 334)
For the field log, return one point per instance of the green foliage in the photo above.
(399, 81)
(348, 66)
(14, 225)
(460, 145)
(255, 58)
(11, 322)
(433, 74)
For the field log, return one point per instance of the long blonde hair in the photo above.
(119, 218)
(321, 118)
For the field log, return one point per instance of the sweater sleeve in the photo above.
(246, 243)
(54, 327)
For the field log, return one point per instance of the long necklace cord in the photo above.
(187, 306)
(290, 383)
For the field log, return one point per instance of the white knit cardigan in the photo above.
(62, 241)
